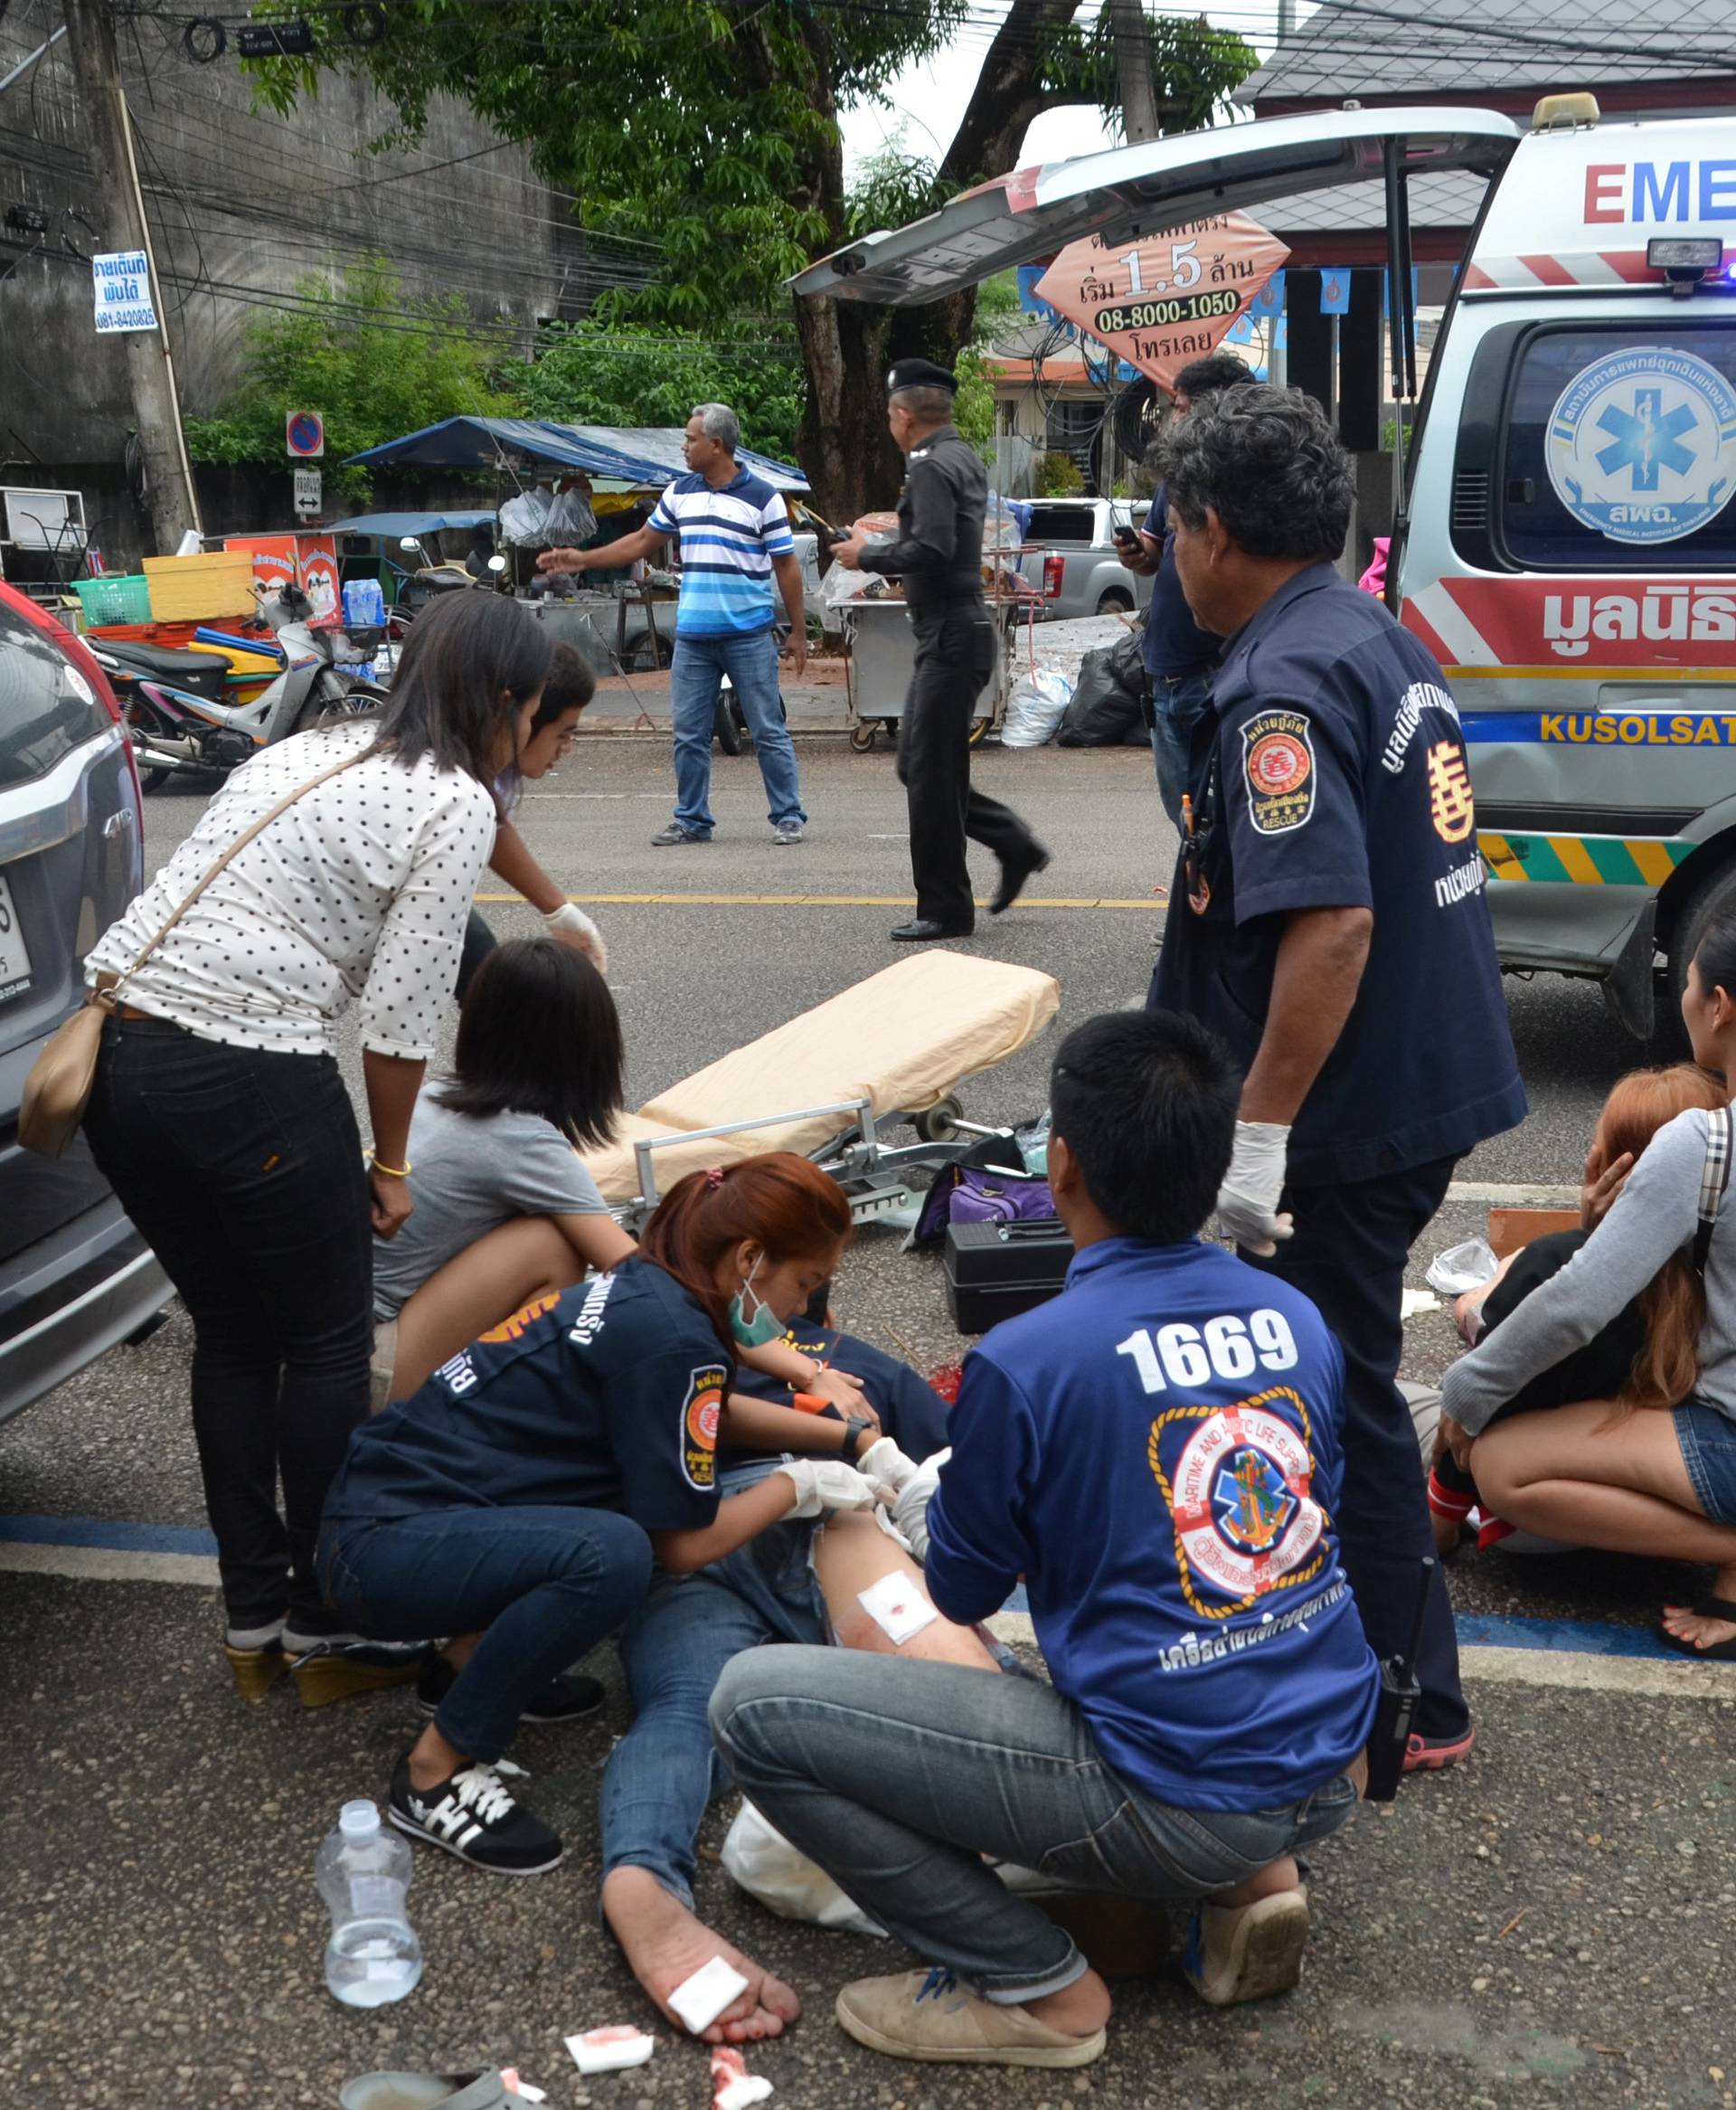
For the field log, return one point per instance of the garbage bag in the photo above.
(762, 1862)
(1035, 710)
(1108, 709)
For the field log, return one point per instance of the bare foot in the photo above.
(1695, 1628)
(666, 1944)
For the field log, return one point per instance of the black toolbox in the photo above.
(996, 1271)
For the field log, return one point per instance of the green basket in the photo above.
(123, 599)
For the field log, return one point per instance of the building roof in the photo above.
(1367, 49)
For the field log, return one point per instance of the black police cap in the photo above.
(921, 374)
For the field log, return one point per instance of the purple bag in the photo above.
(993, 1196)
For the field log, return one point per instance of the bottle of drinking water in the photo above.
(364, 1874)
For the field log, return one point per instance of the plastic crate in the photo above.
(122, 599)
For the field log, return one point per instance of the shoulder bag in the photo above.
(58, 1088)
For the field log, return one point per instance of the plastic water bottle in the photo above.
(364, 1875)
(386, 662)
(364, 604)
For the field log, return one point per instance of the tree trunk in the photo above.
(847, 345)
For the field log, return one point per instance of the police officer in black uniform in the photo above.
(938, 552)
(1329, 920)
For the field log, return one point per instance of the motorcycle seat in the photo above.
(161, 662)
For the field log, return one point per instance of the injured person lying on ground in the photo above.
(1156, 1454)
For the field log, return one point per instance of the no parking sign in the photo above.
(303, 435)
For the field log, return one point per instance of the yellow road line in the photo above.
(1146, 902)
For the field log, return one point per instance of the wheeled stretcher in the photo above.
(832, 1083)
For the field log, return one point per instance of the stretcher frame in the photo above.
(869, 1169)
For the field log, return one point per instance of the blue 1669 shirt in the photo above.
(1156, 1452)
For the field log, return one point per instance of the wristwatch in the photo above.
(854, 1430)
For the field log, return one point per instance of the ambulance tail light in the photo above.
(1054, 571)
(1684, 260)
(1561, 112)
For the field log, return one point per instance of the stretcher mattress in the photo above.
(902, 1040)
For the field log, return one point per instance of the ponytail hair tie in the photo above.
(714, 1176)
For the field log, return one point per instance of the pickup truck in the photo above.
(1075, 569)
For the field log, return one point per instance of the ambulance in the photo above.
(1567, 542)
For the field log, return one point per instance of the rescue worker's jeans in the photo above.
(956, 644)
(897, 1777)
(695, 684)
(542, 1587)
(1348, 1254)
(665, 1770)
(1177, 704)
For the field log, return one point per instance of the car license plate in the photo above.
(14, 955)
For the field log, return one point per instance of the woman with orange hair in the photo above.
(519, 1499)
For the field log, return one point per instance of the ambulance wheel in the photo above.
(940, 1122)
(1715, 896)
(862, 736)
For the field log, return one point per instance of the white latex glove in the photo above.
(571, 921)
(826, 1483)
(911, 1511)
(887, 1466)
(1248, 1199)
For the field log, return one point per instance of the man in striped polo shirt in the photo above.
(735, 539)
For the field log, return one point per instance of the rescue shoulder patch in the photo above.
(1278, 767)
(700, 1411)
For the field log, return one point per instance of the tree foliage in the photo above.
(592, 373)
(703, 141)
(374, 363)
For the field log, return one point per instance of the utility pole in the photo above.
(120, 211)
(1133, 69)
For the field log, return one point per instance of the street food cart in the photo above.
(880, 657)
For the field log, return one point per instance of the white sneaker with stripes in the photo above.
(475, 1816)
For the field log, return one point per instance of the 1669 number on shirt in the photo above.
(1225, 1346)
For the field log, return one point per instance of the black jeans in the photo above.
(956, 646)
(244, 1172)
(1348, 1254)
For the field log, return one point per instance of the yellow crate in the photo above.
(195, 590)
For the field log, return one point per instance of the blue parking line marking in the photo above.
(1581, 1637)
(1482, 1630)
(112, 1538)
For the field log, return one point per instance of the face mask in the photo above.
(763, 1327)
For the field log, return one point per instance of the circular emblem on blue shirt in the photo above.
(1642, 445)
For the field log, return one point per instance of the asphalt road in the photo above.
(1549, 1926)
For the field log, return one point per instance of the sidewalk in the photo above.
(816, 703)
(819, 701)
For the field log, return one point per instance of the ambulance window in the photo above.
(1619, 451)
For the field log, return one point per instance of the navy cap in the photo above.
(921, 374)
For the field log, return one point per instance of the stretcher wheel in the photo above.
(861, 735)
(940, 1122)
(978, 730)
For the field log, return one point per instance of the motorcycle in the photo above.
(174, 702)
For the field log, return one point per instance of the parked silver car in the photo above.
(75, 1277)
(1077, 569)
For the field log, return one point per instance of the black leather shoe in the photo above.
(924, 931)
(1014, 872)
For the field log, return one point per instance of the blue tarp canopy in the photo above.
(394, 526)
(601, 450)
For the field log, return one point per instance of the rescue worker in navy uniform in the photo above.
(1329, 920)
(938, 552)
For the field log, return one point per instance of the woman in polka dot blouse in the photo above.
(221, 1120)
